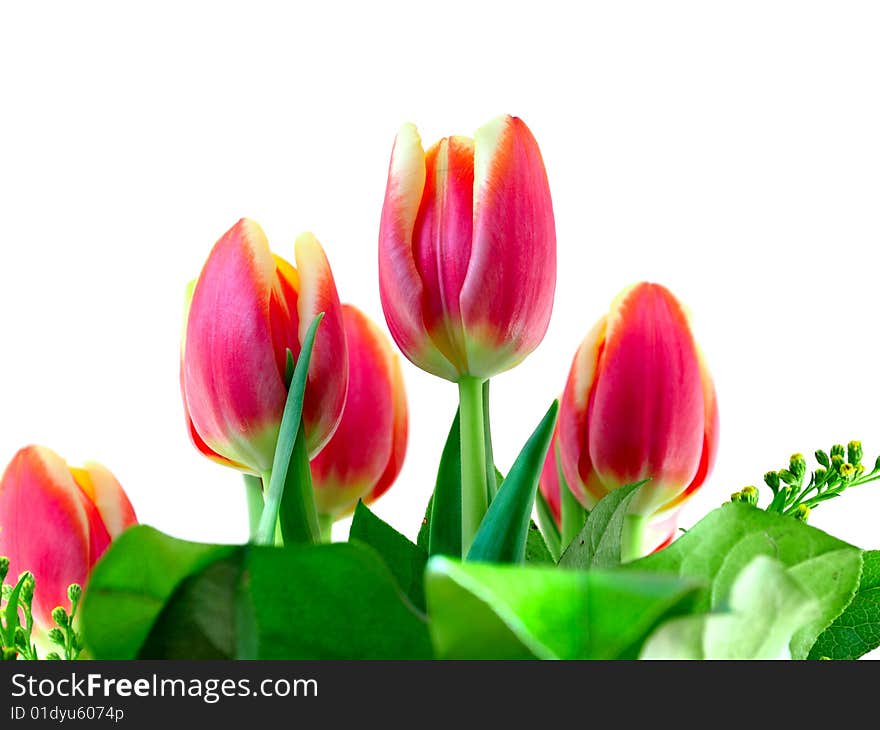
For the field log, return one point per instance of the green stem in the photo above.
(574, 516)
(632, 538)
(474, 498)
(491, 478)
(253, 489)
(325, 523)
(299, 520)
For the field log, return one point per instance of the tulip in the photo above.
(248, 308)
(639, 404)
(467, 250)
(56, 521)
(364, 456)
(467, 268)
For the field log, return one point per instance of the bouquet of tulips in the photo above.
(573, 552)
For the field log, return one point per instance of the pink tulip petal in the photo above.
(508, 291)
(353, 460)
(233, 379)
(574, 411)
(400, 285)
(442, 242)
(647, 415)
(328, 369)
(111, 501)
(400, 432)
(549, 480)
(47, 526)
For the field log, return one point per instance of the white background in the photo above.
(730, 151)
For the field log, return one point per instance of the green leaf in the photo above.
(152, 596)
(857, 630)
(290, 465)
(548, 526)
(445, 528)
(536, 547)
(482, 611)
(598, 544)
(718, 547)
(12, 617)
(767, 606)
(327, 602)
(405, 560)
(502, 534)
(424, 536)
(130, 585)
(573, 516)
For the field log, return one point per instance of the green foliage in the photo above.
(857, 630)
(523, 612)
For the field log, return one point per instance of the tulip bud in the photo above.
(467, 250)
(365, 454)
(57, 521)
(248, 308)
(639, 404)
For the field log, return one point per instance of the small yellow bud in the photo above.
(802, 513)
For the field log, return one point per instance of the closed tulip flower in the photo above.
(248, 308)
(639, 404)
(467, 249)
(467, 268)
(56, 521)
(364, 456)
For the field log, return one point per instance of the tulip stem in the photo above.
(325, 522)
(474, 497)
(632, 538)
(253, 489)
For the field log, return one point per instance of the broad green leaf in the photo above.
(131, 583)
(326, 602)
(857, 630)
(718, 547)
(765, 609)
(153, 596)
(405, 560)
(445, 527)
(536, 547)
(483, 611)
(598, 544)
(548, 525)
(502, 534)
(199, 620)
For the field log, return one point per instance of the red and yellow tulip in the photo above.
(365, 455)
(467, 249)
(639, 404)
(56, 521)
(248, 308)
